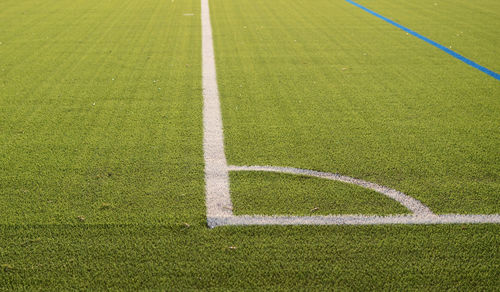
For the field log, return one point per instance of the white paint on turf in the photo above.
(351, 220)
(410, 203)
(218, 199)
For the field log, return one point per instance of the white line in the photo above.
(410, 203)
(218, 200)
(351, 220)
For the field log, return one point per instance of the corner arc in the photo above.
(412, 204)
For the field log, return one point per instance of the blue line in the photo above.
(441, 47)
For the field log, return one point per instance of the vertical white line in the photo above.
(218, 199)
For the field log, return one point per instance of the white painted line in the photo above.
(351, 220)
(218, 200)
(410, 203)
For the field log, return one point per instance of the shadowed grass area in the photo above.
(463, 257)
(284, 194)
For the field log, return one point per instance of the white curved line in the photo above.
(410, 203)
(351, 220)
(218, 199)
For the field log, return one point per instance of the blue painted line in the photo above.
(441, 47)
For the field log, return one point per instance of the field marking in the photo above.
(351, 220)
(414, 205)
(435, 44)
(218, 198)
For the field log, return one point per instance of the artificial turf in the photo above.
(324, 85)
(469, 28)
(100, 112)
(101, 162)
(170, 257)
(285, 194)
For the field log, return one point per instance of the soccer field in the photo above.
(125, 135)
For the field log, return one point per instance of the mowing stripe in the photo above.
(410, 203)
(439, 46)
(218, 200)
(352, 220)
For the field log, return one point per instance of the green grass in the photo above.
(469, 28)
(101, 171)
(445, 257)
(284, 194)
(100, 104)
(324, 85)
